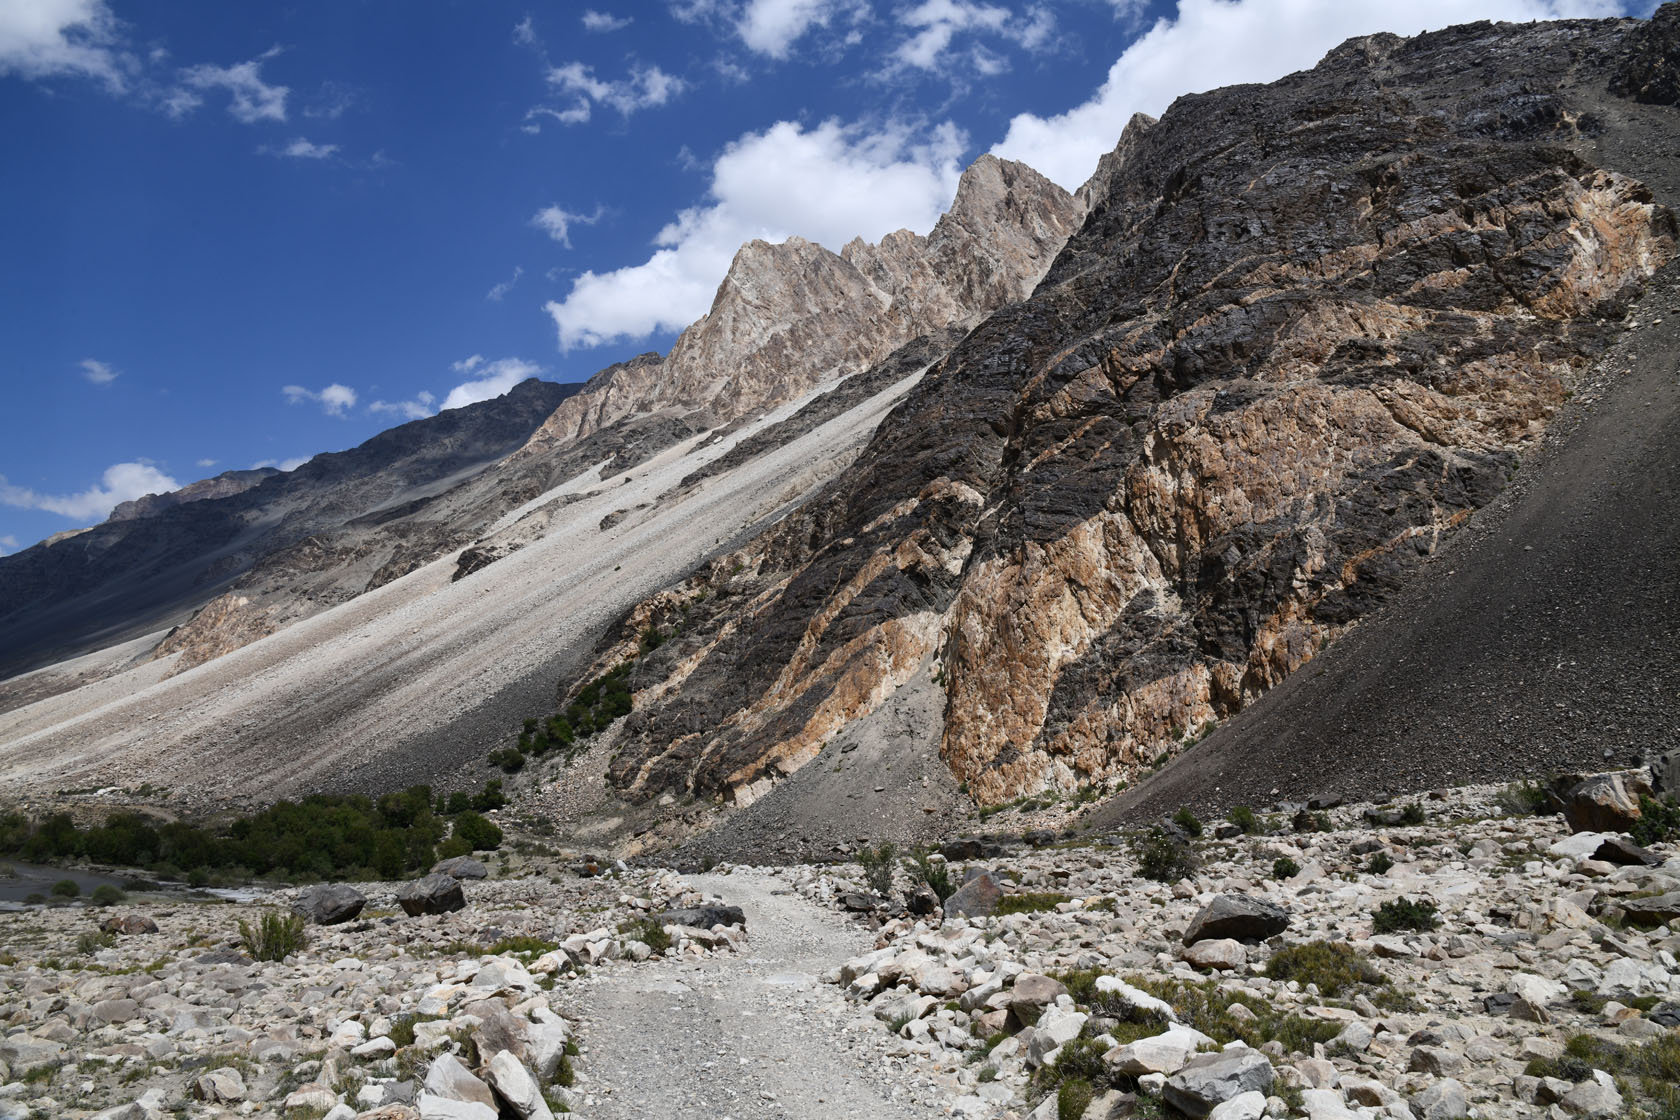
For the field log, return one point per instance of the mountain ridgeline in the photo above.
(1033, 502)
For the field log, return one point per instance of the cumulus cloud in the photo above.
(417, 409)
(335, 399)
(827, 184)
(281, 464)
(935, 24)
(121, 482)
(206, 463)
(604, 21)
(250, 99)
(557, 222)
(495, 294)
(771, 27)
(303, 149)
(100, 373)
(62, 38)
(489, 380)
(646, 87)
(1210, 43)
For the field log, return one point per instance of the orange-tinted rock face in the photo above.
(1306, 331)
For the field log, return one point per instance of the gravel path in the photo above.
(743, 1036)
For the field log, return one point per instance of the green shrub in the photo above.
(1030, 902)
(1658, 821)
(1332, 965)
(1526, 799)
(1186, 820)
(66, 888)
(459, 802)
(454, 846)
(1285, 868)
(107, 894)
(877, 864)
(1381, 863)
(93, 940)
(1204, 1006)
(935, 874)
(1073, 1097)
(1243, 817)
(1164, 859)
(649, 933)
(1404, 914)
(477, 832)
(1412, 814)
(490, 797)
(510, 760)
(275, 937)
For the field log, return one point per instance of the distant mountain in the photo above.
(160, 557)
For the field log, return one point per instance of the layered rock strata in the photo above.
(1305, 332)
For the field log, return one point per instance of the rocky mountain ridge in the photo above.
(1305, 332)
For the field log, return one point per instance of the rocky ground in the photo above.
(1257, 983)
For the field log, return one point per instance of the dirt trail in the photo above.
(747, 1036)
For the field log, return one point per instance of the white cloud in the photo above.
(494, 378)
(121, 482)
(827, 184)
(8, 543)
(604, 21)
(206, 463)
(281, 464)
(496, 293)
(100, 373)
(771, 27)
(250, 98)
(301, 148)
(1223, 42)
(61, 38)
(557, 222)
(417, 409)
(646, 87)
(335, 399)
(524, 34)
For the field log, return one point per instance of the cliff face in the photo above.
(790, 316)
(1306, 330)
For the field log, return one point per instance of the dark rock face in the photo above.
(1306, 331)
(1651, 72)
(434, 894)
(1239, 917)
(1625, 853)
(329, 905)
(976, 898)
(165, 556)
(703, 917)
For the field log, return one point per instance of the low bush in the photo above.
(93, 940)
(107, 894)
(1658, 821)
(1186, 820)
(1332, 965)
(1285, 868)
(1404, 914)
(1243, 817)
(1204, 1006)
(66, 888)
(878, 864)
(1381, 863)
(1030, 902)
(933, 873)
(1412, 814)
(275, 937)
(1526, 799)
(1164, 859)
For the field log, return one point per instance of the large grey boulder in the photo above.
(1031, 995)
(435, 894)
(703, 917)
(461, 867)
(976, 898)
(1237, 916)
(1209, 1080)
(446, 1077)
(330, 903)
(1604, 802)
(518, 1090)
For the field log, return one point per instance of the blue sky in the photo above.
(242, 233)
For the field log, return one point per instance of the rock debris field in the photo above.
(1444, 957)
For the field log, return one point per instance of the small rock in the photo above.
(1222, 953)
